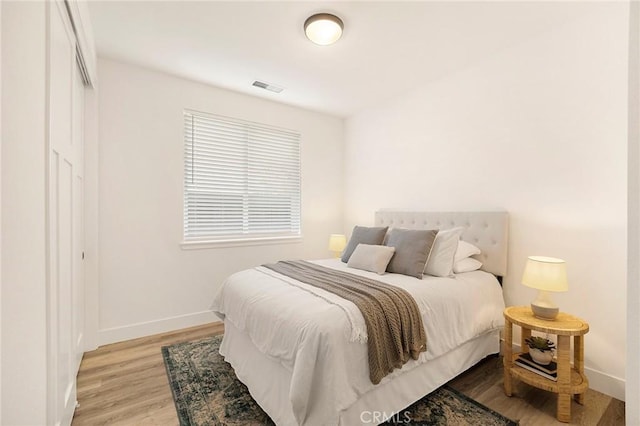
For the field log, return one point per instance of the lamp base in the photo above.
(544, 312)
(543, 307)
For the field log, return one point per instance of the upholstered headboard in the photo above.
(489, 231)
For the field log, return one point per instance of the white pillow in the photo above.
(440, 263)
(371, 258)
(465, 250)
(466, 265)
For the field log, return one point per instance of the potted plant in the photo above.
(541, 349)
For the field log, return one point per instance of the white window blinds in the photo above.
(241, 179)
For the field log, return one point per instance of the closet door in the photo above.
(65, 281)
(78, 283)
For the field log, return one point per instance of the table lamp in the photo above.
(545, 274)
(337, 243)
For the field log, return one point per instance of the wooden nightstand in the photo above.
(571, 380)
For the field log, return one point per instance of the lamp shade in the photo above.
(545, 273)
(337, 242)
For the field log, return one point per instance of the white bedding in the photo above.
(320, 338)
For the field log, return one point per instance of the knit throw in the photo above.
(394, 325)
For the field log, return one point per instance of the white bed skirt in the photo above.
(269, 381)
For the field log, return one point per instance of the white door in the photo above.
(65, 284)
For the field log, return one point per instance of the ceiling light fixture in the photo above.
(323, 28)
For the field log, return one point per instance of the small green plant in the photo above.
(540, 343)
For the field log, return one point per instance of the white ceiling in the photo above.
(386, 49)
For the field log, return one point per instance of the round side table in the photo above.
(571, 380)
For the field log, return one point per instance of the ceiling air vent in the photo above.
(267, 86)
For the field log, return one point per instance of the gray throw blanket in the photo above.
(394, 325)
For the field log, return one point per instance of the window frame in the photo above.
(245, 238)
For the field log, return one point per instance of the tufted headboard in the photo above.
(489, 231)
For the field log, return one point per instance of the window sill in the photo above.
(211, 244)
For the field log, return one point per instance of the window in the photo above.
(241, 180)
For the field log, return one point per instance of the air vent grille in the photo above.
(267, 86)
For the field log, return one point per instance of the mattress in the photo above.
(316, 347)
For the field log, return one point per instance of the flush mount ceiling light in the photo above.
(323, 28)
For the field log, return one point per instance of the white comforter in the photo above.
(320, 338)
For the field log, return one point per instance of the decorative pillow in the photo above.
(465, 250)
(363, 235)
(412, 250)
(371, 258)
(440, 263)
(466, 265)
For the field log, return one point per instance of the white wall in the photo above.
(148, 284)
(24, 303)
(0, 210)
(633, 284)
(539, 130)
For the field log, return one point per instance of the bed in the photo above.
(301, 354)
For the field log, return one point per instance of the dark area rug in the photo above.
(207, 392)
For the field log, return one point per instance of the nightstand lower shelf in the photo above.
(579, 382)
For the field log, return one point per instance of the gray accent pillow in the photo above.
(364, 235)
(412, 250)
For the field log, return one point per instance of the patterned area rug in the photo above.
(207, 392)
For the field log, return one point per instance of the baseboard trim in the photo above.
(148, 328)
(606, 383)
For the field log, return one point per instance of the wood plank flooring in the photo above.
(126, 384)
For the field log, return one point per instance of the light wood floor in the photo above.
(126, 384)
